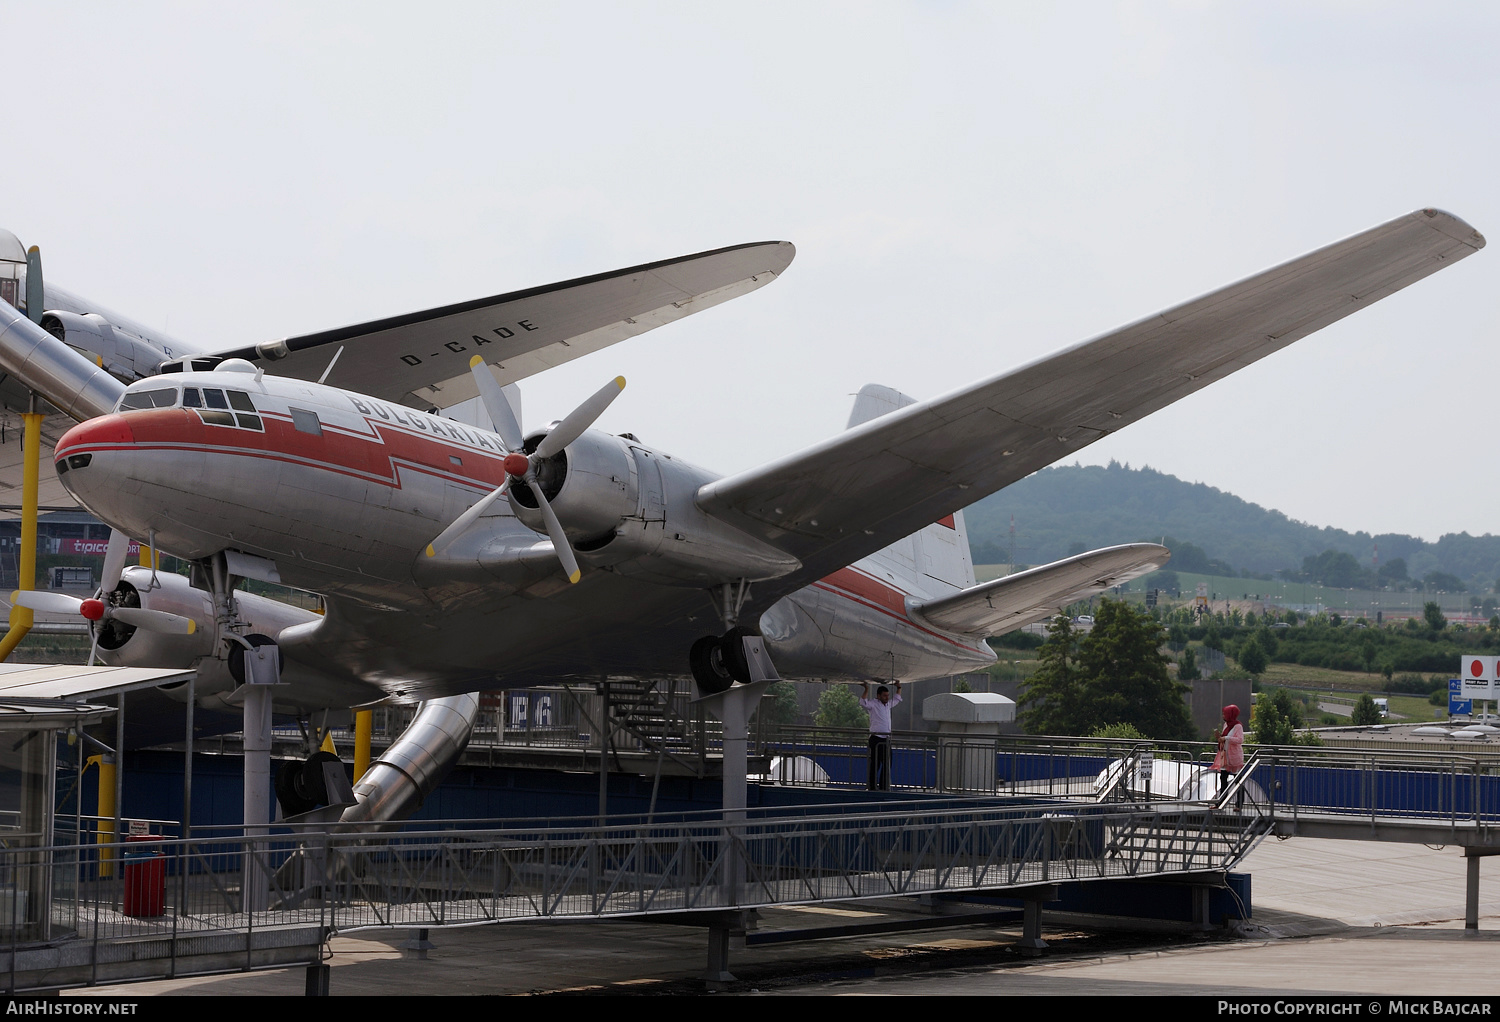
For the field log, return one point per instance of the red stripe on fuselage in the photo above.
(376, 458)
(868, 591)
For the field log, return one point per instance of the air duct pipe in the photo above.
(76, 386)
(399, 781)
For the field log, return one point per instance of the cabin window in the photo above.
(165, 398)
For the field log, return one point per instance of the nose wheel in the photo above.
(718, 661)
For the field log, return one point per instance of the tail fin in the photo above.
(938, 553)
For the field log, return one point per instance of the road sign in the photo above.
(1478, 676)
(1458, 706)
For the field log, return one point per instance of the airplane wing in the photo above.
(1005, 604)
(850, 495)
(421, 359)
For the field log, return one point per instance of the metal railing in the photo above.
(172, 888)
(964, 764)
(1384, 786)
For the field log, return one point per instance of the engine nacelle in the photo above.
(121, 352)
(123, 645)
(630, 509)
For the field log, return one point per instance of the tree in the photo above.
(1187, 666)
(1116, 674)
(1253, 658)
(1117, 731)
(779, 704)
(1125, 674)
(1434, 615)
(1051, 697)
(1365, 710)
(837, 707)
(1277, 717)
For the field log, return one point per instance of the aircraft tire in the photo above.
(292, 802)
(710, 671)
(733, 646)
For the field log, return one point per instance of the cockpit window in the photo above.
(240, 401)
(191, 398)
(214, 398)
(164, 398)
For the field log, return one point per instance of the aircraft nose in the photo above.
(105, 432)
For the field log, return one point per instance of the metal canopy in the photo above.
(74, 683)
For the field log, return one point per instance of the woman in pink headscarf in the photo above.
(1230, 758)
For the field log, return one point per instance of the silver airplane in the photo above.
(454, 559)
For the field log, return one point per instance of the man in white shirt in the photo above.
(879, 709)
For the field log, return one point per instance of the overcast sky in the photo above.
(969, 186)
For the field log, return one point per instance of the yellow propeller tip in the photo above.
(192, 627)
(476, 360)
(15, 595)
(620, 382)
(431, 552)
(575, 576)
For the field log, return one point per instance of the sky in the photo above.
(969, 187)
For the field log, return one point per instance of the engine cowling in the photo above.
(122, 353)
(631, 509)
(122, 645)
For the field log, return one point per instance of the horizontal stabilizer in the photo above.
(993, 608)
(422, 359)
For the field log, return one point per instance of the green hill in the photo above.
(1068, 509)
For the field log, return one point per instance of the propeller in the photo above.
(100, 608)
(521, 467)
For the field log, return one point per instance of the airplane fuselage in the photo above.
(344, 493)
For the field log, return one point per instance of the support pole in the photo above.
(1471, 899)
(21, 618)
(187, 759)
(363, 726)
(104, 834)
(257, 732)
(116, 826)
(718, 974)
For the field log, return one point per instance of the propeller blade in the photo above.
(154, 620)
(114, 559)
(51, 603)
(495, 403)
(555, 531)
(462, 522)
(579, 419)
(35, 295)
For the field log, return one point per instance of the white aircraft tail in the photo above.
(936, 558)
